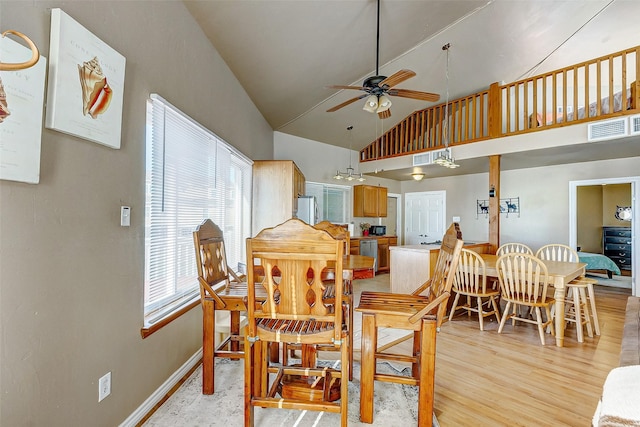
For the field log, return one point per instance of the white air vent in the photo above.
(422, 159)
(634, 125)
(609, 129)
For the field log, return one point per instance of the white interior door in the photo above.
(424, 217)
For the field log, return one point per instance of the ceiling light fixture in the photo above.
(445, 158)
(350, 174)
(417, 176)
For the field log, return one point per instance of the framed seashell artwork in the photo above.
(86, 83)
(21, 100)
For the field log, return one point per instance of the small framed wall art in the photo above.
(86, 83)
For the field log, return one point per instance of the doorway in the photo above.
(424, 217)
(581, 187)
(394, 213)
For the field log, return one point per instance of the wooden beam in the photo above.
(494, 202)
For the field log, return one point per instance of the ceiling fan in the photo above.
(378, 88)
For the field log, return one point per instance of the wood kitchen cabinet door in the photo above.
(369, 201)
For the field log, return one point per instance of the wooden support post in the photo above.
(494, 203)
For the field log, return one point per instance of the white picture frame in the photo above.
(86, 83)
(21, 111)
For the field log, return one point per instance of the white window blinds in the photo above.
(191, 175)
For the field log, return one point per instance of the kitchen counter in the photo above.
(412, 265)
(371, 237)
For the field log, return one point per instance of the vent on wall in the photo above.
(609, 129)
(634, 125)
(422, 159)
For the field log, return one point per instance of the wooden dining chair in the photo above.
(328, 297)
(524, 280)
(470, 282)
(514, 247)
(422, 313)
(580, 296)
(293, 257)
(221, 290)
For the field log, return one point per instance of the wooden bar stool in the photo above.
(581, 300)
(422, 313)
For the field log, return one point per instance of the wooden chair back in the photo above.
(523, 278)
(293, 256)
(214, 274)
(469, 277)
(337, 232)
(438, 287)
(514, 247)
(558, 252)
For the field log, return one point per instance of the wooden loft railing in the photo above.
(601, 88)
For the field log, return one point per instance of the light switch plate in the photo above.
(456, 219)
(125, 216)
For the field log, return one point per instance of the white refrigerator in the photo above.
(308, 209)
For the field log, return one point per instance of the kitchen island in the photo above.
(412, 265)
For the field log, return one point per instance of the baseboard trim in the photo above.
(148, 405)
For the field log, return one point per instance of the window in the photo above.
(333, 201)
(191, 175)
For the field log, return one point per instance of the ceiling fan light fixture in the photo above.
(384, 103)
(371, 105)
(417, 176)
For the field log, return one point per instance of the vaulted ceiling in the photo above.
(285, 53)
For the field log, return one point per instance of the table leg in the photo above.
(208, 345)
(367, 366)
(559, 295)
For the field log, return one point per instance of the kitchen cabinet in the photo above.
(277, 184)
(383, 252)
(369, 201)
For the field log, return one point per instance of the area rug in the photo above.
(395, 405)
(616, 281)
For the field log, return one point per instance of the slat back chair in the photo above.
(581, 308)
(221, 289)
(340, 233)
(514, 247)
(294, 257)
(422, 313)
(470, 281)
(524, 280)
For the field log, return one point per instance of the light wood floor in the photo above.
(510, 379)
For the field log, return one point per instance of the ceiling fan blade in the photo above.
(414, 94)
(397, 78)
(384, 114)
(345, 103)
(345, 87)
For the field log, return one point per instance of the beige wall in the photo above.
(614, 195)
(71, 279)
(589, 218)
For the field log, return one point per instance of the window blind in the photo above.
(191, 175)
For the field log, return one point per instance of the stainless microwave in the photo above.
(378, 230)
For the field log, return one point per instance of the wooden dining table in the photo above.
(560, 273)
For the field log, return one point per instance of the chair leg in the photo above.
(453, 307)
(585, 311)
(427, 372)
(480, 314)
(344, 385)
(208, 345)
(350, 331)
(577, 311)
(249, 378)
(368, 366)
(594, 312)
(505, 316)
(495, 309)
(540, 326)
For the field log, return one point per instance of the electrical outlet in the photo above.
(104, 386)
